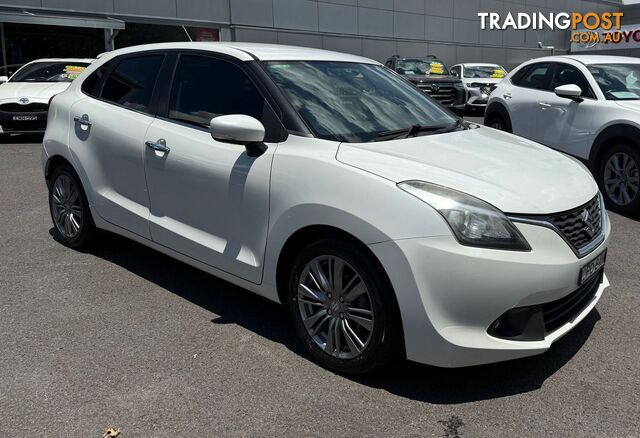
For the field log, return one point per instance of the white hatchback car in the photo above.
(327, 182)
(24, 97)
(587, 106)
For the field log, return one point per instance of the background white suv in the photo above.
(586, 106)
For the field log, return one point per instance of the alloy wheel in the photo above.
(66, 206)
(335, 306)
(621, 178)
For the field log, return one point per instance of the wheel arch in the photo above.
(609, 136)
(307, 235)
(498, 108)
(55, 161)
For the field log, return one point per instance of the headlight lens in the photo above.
(473, 221)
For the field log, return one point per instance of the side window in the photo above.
(131, 83)
(537, 76)
(204, 88)
(455, 71)
(91, 85)
(566, 75)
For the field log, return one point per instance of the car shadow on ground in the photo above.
(235, 305)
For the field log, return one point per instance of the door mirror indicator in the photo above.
(569, 91)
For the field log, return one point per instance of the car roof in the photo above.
(479, 64)
(590, 59)
(87, 60)
(252, 51)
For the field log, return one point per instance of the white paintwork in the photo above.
(209, 204)
(570, 90)
(236, 128)
(514, 174)
(562, 123)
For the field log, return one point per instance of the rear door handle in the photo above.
(82, 120)
(159, 146)
(544, 105)
(507, 96)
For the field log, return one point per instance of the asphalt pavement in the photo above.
(121, 336)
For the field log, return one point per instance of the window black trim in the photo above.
(552, 67)
(591, 95)
(116, 62)
(162, 111)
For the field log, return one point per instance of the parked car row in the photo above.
(463, 87)
(324, 181)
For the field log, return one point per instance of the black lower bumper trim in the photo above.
(533, 323)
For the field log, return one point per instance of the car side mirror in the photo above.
(569, 91)
(4, 79)
(239, 129)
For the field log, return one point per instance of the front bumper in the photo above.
(449, 295)
(476, 97)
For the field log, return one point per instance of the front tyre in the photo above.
(72, 222)
(496, 121)
(620, 180)
(343, 308)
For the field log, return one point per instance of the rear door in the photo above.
(530, 88)
(109, 128)
(210, 199)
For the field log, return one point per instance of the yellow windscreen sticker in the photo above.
(436, 68)
(72, 71)
(498, 74)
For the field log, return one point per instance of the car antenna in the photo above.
(185, 31)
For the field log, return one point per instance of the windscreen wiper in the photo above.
(414, 130)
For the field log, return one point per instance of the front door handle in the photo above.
(159, 146)
(544, 105)
(82, 120)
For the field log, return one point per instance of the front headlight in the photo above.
(473, 221)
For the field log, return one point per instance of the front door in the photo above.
(565, 124)
(209, 199)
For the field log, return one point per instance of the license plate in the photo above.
(592, 268)
(25, 118)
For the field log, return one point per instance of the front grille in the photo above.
(559, 312)
(28, 108)
(581, 228)
(582, 225)
(443, 93)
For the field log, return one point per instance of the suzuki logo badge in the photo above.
(23, 101)
(589, 226)
(435, 87)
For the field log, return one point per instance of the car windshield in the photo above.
(484, 72)
(355, 102)
(617, 81)
(49, 72)
(424, 66)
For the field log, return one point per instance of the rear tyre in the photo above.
(73, 225)
(343, 308)
(619, 178)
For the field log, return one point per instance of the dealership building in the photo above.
(449, 29)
